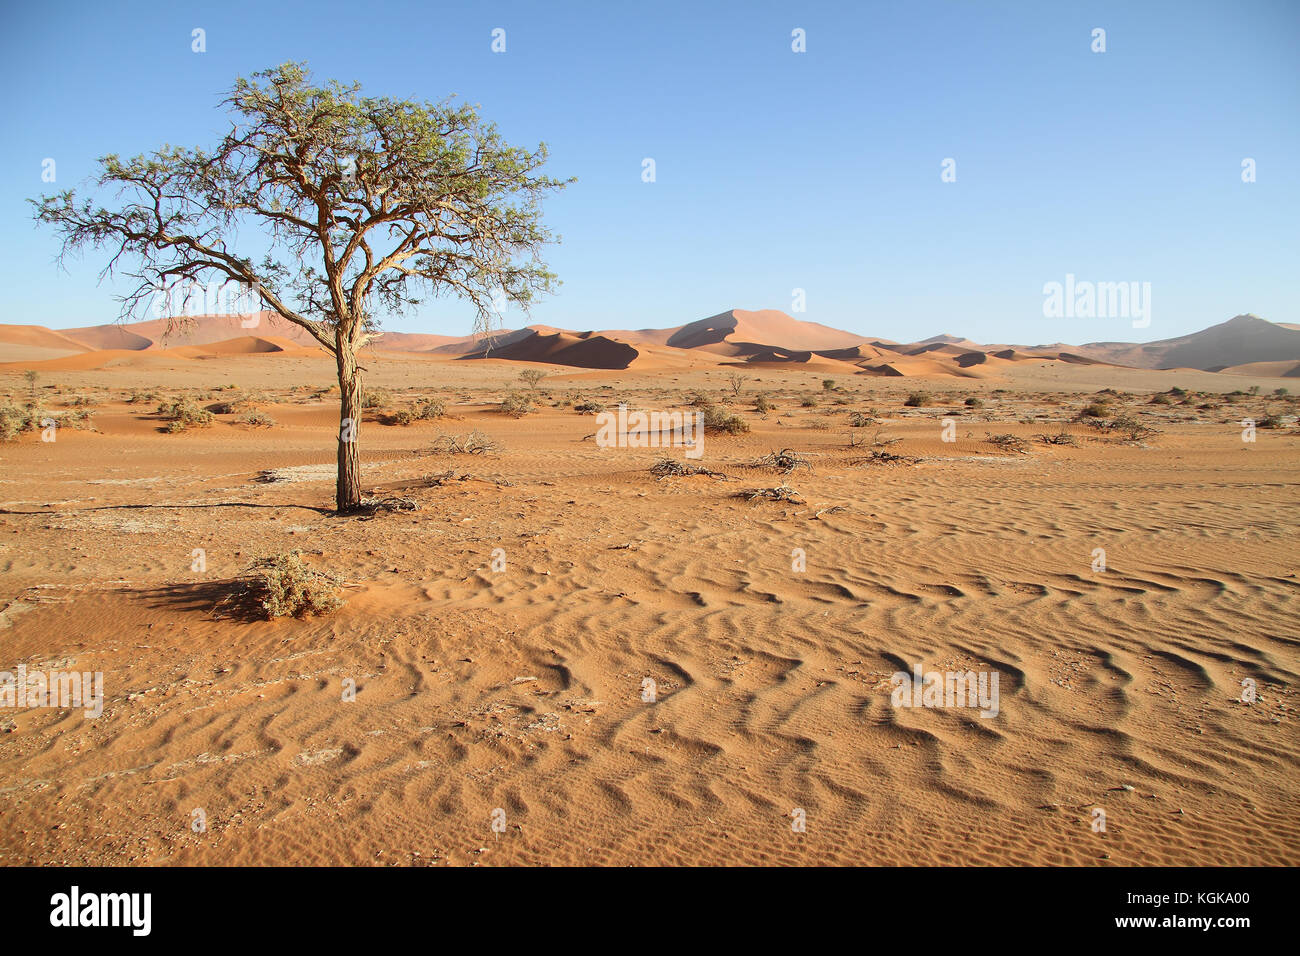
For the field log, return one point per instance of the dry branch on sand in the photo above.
(1129, 429)
(887, 458)
(475, 443)
(785, 460)
(1060, 438)
(779, 493)
(672, 468)
(1008, 442)
(388, 503)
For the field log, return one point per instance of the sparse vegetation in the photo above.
(917, 400)
(290, 588)
(779, 493)
(531, 376)
(81, 419)
(256, 419)
(786, 460)
(1062, 437)
(861, 420)
(888, 458)
(475, 443)
(717, 419)
(672, 468)
(184, 413)
(14, 420)
(516, 404)
(588, 407)
(1008, 442)
(422, 410)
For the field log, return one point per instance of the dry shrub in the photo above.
(779, 493)
(475, 443)
(183, 413)
(292, 589)
(672, 468)
(423, 410)
(14, 420)
(1008, 442)
(888, 458)
(256, 419)
(786, 460)
(718, 419)
(83, 419)
(861, 420)
(516, 404)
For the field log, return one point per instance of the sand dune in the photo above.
(19, 343)
(1239, 341)
(244, 345)
(562, 348)
(767, 338)
(1288, 368)
(738, 332)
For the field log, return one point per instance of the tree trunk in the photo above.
(348, 490)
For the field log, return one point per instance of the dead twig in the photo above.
(672, 468)
(786, 460)
(779, 493)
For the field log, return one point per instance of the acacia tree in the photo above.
(365, 205)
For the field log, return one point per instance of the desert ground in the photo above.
(515, 696)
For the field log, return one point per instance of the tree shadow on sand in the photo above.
(164, 505)
(229, 599)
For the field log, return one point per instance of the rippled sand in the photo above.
(522, 690)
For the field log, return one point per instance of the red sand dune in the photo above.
(35, 343)
(1246, 345)
(563, 348)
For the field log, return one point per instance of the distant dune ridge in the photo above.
(767, 338)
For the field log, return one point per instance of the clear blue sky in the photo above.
(775, 170)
